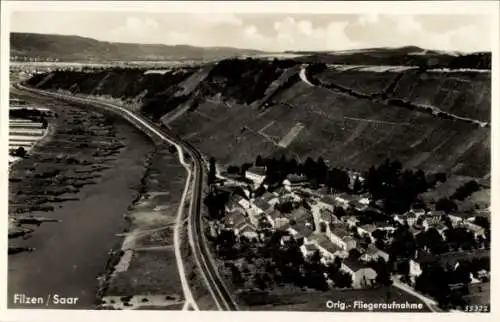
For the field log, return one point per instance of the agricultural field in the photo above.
(146, 274)
(463, 94)
(367, 82)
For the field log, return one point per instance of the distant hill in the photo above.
(404, 56)
(75, 48)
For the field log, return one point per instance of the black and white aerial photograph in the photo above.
(236, 160)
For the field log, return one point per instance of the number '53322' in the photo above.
(477, 308)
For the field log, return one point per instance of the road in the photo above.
(430, 303)
(197, 238)
(303, 77)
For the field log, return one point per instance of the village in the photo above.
(439, 256)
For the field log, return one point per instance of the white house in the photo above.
(277, 219)
(261, 205)
(256, 174)
(343, 200)
(337, 234)
(329, 251)
(475, 229)
(415, 270)
(455, 220)
(300, 231)
(350, 242)
(308, 250)
(418, 211)
(366, 231)
(351, 221)
(244, 203)
(247, 230)
(441, 228)
(362, 276)
(295, 180)
(327, 216)
(408, 217)
(359, 204)
(373, 253)
(327, 202)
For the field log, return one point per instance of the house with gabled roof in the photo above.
(329, 250)
(289, 197)
(277, 219)
(350, 242)
(270, 198)
(256, 174)
(363, 276)
(366, 229)
(343, 200)
(234, 201)
(244, 203)
(336, 234)
(415, 231)
(300, 214)
(475, 229)
(351, 221)
(286, 239)
(308, 250)
(441, 228)
(234, 219)
(407, 218)
(457, 218)
(359, 203)
(435, 215)
(414, 270)
(263, 205)
(302, 230)
(418, 211)
(240, 224)
(327, 216)
(295, 179)
(373, 253)
(433, 218)
(246, 229)
(327, 202)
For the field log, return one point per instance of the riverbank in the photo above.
(144, 273)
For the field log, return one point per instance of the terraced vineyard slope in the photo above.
(237, 109)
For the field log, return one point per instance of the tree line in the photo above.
(398, 188)
(316, 171)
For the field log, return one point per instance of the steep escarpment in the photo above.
(238, 109)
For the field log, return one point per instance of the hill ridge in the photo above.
(79, 48)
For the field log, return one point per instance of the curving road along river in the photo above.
(216, 285)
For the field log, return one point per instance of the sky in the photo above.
(269, 31)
